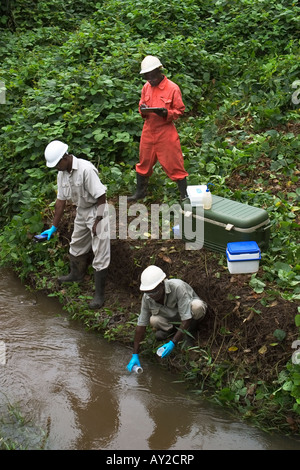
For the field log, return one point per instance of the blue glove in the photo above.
(49, 232)
(168, 348)
(134, 361)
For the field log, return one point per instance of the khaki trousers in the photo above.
(198, 311)
(83, 240)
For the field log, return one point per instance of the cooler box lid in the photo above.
(238, 251)
(238, 248)
(236, 213)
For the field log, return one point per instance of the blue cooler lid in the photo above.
(237, 248)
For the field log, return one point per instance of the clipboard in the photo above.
(147, 110)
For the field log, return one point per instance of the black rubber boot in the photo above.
(160, 335)
(182, 185)
(141, 189)
(100, 278)
(189, 339)
(78, 266)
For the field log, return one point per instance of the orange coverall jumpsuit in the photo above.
(160, 139)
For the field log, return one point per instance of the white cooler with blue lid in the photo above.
(243, 257)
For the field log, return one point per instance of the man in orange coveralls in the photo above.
(159, 139)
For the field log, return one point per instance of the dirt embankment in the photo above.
(237, 327)
(240, 324)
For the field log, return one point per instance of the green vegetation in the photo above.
(17, 431)
(71, 72)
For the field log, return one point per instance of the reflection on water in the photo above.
(76, 383)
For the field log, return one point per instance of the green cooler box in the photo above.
(227, 221)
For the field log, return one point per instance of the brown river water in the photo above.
(74, 390)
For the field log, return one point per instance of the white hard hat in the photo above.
(150, 63)
(151, 277)
(54, 152)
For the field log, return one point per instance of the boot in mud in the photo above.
(190, 337)
(100, 278)
(161, 335)
(141, 189)
(182, 186)
(78, 266)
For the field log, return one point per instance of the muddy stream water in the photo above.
(73, 388)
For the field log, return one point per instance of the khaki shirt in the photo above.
(177, 303)
(82, 185)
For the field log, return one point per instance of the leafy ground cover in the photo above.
(71, 71)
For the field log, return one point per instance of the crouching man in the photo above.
(165, 302)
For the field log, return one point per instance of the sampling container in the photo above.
(243, 257)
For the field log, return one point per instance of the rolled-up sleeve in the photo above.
(144, 316)
(63, 187)
(93, 184)
(184, 303)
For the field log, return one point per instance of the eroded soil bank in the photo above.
(238, 330)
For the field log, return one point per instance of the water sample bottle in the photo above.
(207, 198)
(137, 369)
(160, 351)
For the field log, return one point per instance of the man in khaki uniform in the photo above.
(164, 303)
(78, 180)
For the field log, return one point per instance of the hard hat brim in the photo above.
(150, 69)
(52, 165)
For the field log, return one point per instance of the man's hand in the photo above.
(49, 232)
(142, 107)
(97, 220)
(134, 361)
(167, 348)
